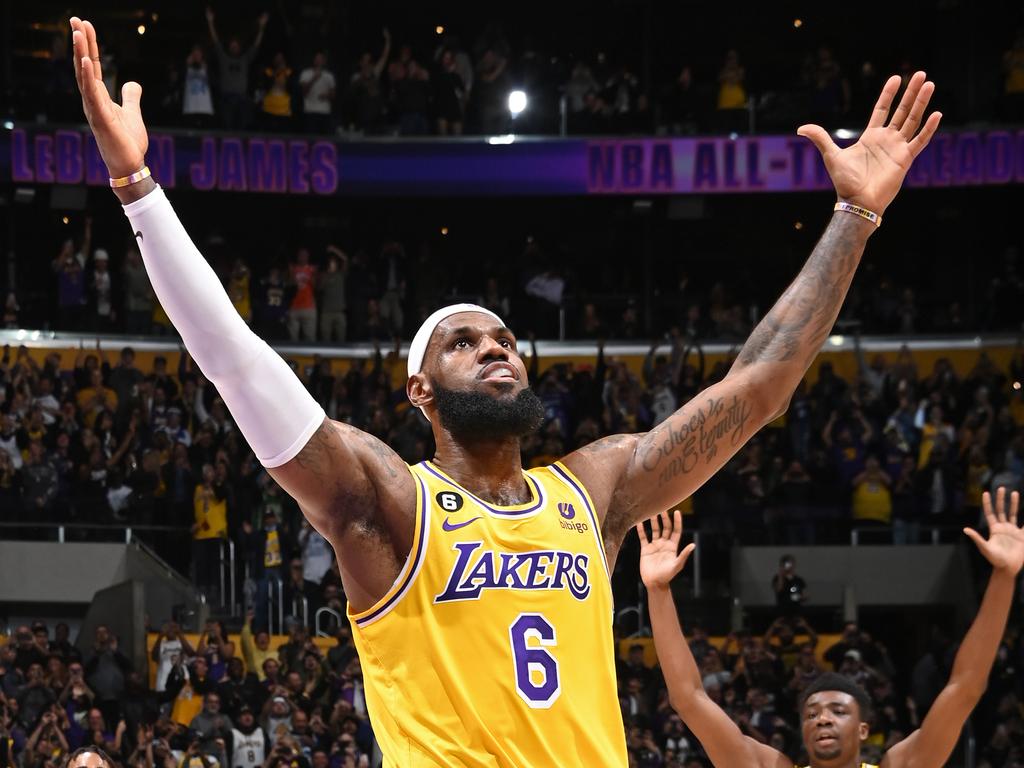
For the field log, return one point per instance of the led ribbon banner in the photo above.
(495, 166)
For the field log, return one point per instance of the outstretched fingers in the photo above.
(986, 508)
(884, 103)
(94, 49)
(913, 121)
(1014, 503)
(919, 142)
(909, 97)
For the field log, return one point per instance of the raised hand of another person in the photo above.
(870, 172)
(118, 128)
(660, 559)
(1004, 548)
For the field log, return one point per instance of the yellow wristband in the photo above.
(856, 210)
(134, 178)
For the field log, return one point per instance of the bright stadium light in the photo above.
(516, 102)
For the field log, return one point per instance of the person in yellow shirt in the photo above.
(256, 649)
(209, 529)
(95, 398)
(872, 501)
(238, 290)
(835, 712)
(277, 100)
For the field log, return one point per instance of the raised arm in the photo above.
(630, 475)
(385, 52)
(721, 738)
(338, 475)
(934, 741)
(212, 26)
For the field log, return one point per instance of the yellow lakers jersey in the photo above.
(494, 647)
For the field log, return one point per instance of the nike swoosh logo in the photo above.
(139, 236)
(455, 526)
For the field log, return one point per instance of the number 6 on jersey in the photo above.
(531, 634)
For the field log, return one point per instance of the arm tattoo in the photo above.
(680, 445)
(318, 455)
(801, 319)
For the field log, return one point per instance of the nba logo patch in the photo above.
(566, 510)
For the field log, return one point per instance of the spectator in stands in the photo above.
(318, 91)
(302, 310)
(366, 94)
(333, 301)
(1013, 82)
(170, 646)
(789, 587)
(209, 528)
(101, 293)
(412, 95)
(105, 671)
(238, 290)
(732, 91)
(137, 294)
(197, 98)
(69, 266)
(276, 104)
(450, 94)
(213, 727)
(233, 84)
(872, 498)
(40, 482)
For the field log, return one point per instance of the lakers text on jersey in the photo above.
(494, 645)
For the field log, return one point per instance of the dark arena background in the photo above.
(622, 182)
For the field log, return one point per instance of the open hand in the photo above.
(119, 130)
(870, 172)
(659, 561)
(1005, 545)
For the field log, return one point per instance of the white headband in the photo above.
(418, 348)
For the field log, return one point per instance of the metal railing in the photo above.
(325, 611)
(59, 531)
(300, 604)
(926, 535)
(275, 584)
(228, 596)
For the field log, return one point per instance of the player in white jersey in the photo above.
(248, 741)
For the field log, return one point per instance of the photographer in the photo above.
(285, 754)
(790, 589)
(36, 697)
(46, 743)
(195, 756)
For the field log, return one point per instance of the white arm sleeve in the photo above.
(271, 406)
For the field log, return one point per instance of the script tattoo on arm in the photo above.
(796, 327)
(718, 423)
(674, 459)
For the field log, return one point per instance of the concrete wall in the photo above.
(73, 572)
(877, 575)
(44, 571)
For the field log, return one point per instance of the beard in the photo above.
(476, 415)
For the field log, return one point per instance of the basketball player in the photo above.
(479, 593)
(834, 712)
(89, 757)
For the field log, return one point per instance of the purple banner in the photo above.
(494, 166)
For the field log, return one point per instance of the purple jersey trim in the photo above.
(414, 564)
